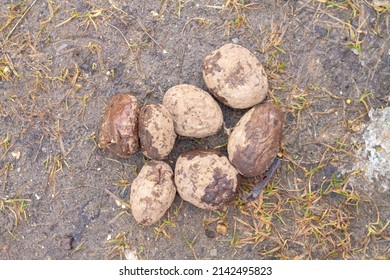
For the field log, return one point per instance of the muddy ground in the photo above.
(61, 197)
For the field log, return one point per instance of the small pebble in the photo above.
(67, 242)
(16, 154)
(209, 233)
(130, 255)
(355, 51)
(5, 249)
(221, 228)
(213, 252)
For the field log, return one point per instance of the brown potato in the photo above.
(255, 140)
(156, 131)
(195, 113)
(152, 192)
(119, 126)
(206, 179)
(235, 76)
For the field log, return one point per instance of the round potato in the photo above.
(195, 113)
(206, 179)
(156, 131)
(119, 126)
(235, 76)
(255, 140)
(152, 192)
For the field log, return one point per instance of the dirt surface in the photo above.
(60, 63)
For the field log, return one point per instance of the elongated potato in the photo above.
(156, 132)
(119, 126)
(152, 192)
(255, 140)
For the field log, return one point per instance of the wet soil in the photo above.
(327, 65)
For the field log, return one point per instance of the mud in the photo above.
(327, 66)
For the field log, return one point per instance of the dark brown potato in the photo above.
(206, 179)
(255, 141)
(119, 126)
(235, 76)
(156, 132)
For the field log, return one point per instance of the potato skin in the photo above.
(156, 132)
(195, 113)
(119, 126)
(255, 140)
(235, 76)
(152, 192)
(206, 179)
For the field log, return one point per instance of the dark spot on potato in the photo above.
(237, 77)
(148, 200)
(211, 63)
(146, 137)
(146, 144)
(156, 194)
(221, 190)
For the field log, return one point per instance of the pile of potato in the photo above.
(203, 177)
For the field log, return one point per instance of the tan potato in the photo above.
(235, 76)
(255, 140)
(156, 132)
(206, 179)
(152, 192)
(119, 126)
(195, 113)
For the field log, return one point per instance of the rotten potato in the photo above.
(206, 179)
(255, 140)
(156, 131)
(195, 113)
(119, 127)
(152, 192)
(235, 76)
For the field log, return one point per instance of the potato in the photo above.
(235, 76)
(206, 179)
(255, 140)
(152, 192)
(119, 126)
(156, 131)
(195, 113)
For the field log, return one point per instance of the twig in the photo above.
(39, 148)
(120, 32)
(6, 151)
(17, 23)
(144, 29)
(267, 176)
(116, 8)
